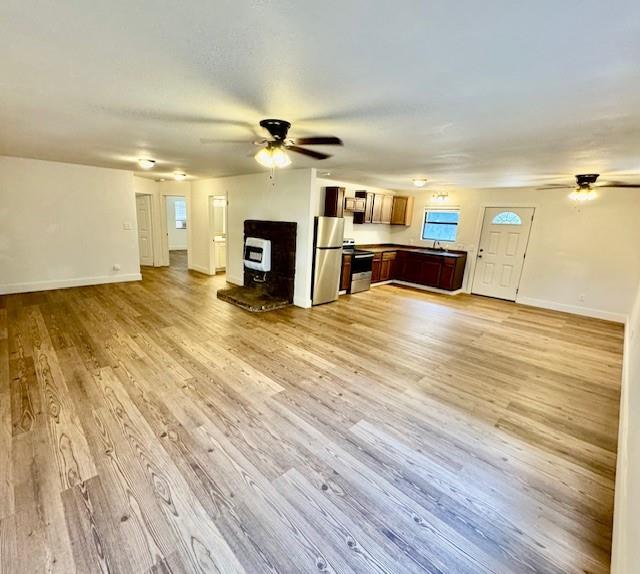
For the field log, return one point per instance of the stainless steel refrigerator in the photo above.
(327, 259)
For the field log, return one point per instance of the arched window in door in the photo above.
(507, 218)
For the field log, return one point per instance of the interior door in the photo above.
(145, 242)
(503, 244)
(218, 219)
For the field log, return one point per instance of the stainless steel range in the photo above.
(361, 263)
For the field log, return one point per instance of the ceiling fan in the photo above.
(584, 186)
(273, 150)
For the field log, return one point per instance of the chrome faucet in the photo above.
(437, 244)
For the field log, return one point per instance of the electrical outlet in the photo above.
(116, 266)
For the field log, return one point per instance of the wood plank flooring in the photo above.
(149, 427)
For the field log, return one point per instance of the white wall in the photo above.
(574, 250)
(63, 225)
(369, 233)
(292, 196)
(626, 523)
(177, 237)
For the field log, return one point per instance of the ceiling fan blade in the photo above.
(556, 186)
(319, 140)
(222, 141)
(308, 152)
(619, 184)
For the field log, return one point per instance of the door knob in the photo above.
(479, 256)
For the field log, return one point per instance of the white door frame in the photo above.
(478, 235)
(164, 236)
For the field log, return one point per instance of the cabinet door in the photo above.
(387, 208)
(376, 210)
(375, 268)
(430, 271)
(385, 270)
(399, 210)
(447, 273)
(345, 277)
(368, 208)
(398, 267)
(402, 212)
(354, 204)
(412, 268)
(334, 201)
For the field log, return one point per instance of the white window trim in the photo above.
(440, 208)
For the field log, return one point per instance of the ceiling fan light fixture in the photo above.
(179, 176)
(419, 181)
(280, 157)
(272, 157)
(146, 163)
(583, 194)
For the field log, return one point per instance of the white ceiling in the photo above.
(468, 93)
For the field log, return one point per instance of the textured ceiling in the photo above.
(467, 93)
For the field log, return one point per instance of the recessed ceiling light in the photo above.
(146, 163)
(419, 181)
(179, 176)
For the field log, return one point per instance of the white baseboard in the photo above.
(575, 309)
(421, 287)
(199, 269)
(64, 283)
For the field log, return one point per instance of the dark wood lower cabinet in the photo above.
(375, 268)
(345, 276)
(387, 265)
(441, 271)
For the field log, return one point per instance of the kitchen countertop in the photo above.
(386, 247)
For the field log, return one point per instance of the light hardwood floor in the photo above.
(148, 427)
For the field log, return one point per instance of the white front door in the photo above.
(145, 242)
(503, 244)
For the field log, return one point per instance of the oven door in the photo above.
(361, 272)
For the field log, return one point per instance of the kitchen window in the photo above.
(181, 213)
(440, 224)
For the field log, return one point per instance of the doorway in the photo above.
(145, 233)
(218, 233)
(501, 251)
(176, 222)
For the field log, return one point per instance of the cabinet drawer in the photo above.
(389, 255)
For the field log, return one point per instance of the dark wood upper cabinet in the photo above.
(334, 201)
(402, 210)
